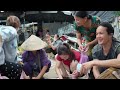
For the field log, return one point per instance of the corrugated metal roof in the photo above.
(106, 16)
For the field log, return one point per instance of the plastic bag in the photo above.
(84, 58)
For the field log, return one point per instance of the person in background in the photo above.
(39, 33)
(47, 35)
(53, 45)
(29, 33)
(64, 38)
(9, 65)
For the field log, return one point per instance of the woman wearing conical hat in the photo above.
(35, 60)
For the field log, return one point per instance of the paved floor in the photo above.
(51, 74)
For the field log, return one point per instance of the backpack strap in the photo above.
(38, 63)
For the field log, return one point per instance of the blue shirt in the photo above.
(8, 50)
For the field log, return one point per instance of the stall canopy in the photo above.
(54, 16)
(106, 16)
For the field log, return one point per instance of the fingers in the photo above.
(33, 77)
(81, 48)
(75, 72)
(83, 70)
(86, 48)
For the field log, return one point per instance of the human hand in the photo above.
(25, 76)
(34, 78)
(86, 47)
(49, 42)
(3, 77)
(75, 74)
(81, 48)
(86, 67)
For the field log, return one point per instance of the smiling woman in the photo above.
(85, 26)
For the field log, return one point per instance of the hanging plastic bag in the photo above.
(84, 58)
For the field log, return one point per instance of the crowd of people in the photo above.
(97, 47)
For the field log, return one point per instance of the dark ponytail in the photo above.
(82, 14)
(89, 17)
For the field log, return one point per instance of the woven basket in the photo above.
(107, 74)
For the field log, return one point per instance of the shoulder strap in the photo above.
(38, 60)
(27, 56)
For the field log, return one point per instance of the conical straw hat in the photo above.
(33, 43)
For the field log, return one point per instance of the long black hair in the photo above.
(82, 14)
(64, 49)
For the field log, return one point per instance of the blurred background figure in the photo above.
(9, 65)
(53, 45)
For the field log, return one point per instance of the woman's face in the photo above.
(102, 36)
(65, 57)
(80, 21)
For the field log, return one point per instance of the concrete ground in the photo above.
(51, 74)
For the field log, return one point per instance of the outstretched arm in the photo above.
(78, 35)
(96, 72)
(92, 42)
(101, 63)
(57, 69)
(108, 63)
